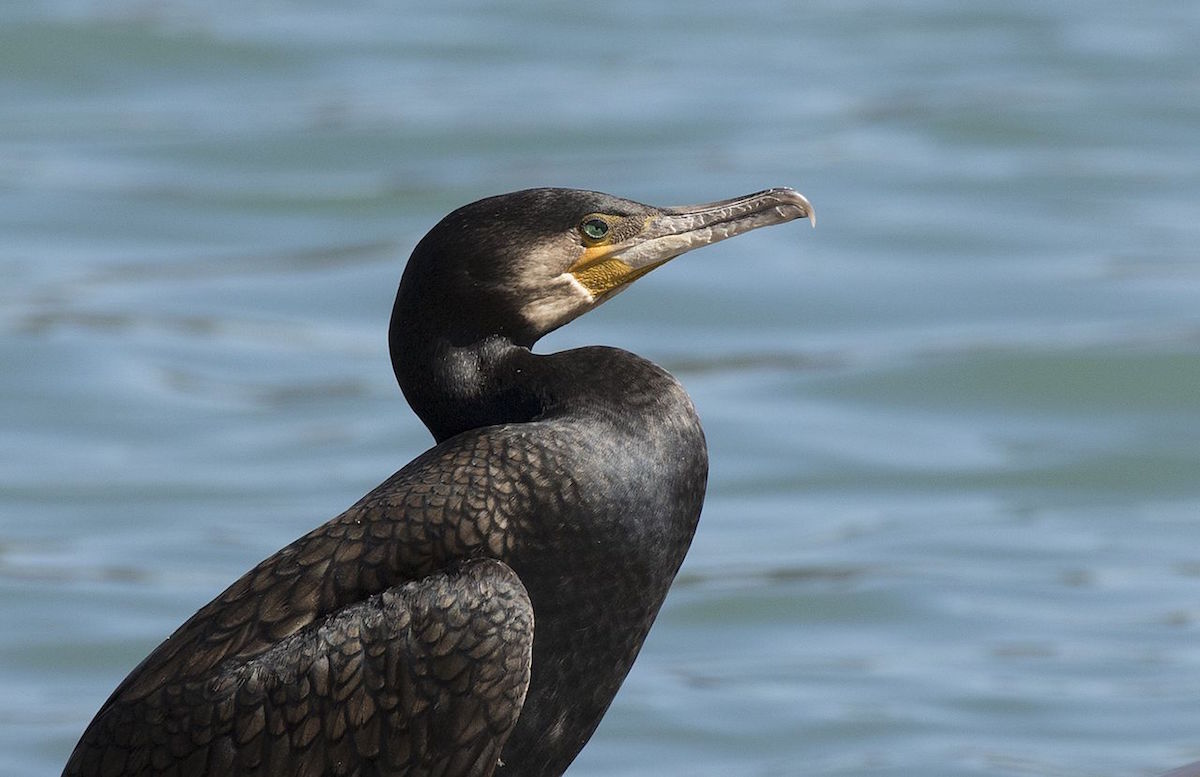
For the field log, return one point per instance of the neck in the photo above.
(455, 387)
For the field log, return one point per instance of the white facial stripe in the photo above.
(579, 287)
(564, 299)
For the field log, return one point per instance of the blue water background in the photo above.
(954, 514)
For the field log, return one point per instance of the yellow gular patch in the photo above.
(592, 255)
(610, 275)
(602, 277)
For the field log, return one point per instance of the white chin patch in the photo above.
(564, 299)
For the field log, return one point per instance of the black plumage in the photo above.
(482, 605)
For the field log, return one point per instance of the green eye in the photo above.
(594, 229)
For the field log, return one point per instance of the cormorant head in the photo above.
(522, 264)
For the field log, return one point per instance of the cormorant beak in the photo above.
(608, 268)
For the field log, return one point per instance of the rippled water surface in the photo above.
(954, 514)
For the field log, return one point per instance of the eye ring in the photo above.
(594, 228)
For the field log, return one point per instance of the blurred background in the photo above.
(954, 514)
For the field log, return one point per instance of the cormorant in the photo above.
(477, 611)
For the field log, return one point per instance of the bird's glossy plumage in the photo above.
(483, 604)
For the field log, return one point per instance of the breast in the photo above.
(618, 499)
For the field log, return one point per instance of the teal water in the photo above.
(954, 515)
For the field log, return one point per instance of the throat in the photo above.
(455, 388)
